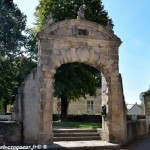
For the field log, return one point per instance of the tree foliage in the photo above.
(146, 96)
(73, 80)
(7, 79)
(12, 74)
(67, 9)
(12, 24)
(13, 65)
(31, 44)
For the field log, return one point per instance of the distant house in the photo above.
(90, 105)
(134, 109)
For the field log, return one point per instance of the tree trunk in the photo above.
(64, 107)
(5, 106)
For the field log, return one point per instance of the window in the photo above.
(90, 106)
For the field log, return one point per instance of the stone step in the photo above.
(79, 138)
(75, 134)
(72, 130)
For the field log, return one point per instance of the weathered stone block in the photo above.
(11, 132)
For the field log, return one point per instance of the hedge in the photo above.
(81, 118)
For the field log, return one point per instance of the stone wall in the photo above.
(5, 117)
(136, 129)
(27, 105)
(10, 132)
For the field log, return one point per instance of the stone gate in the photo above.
(65, 42)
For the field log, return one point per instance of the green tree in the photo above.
(72, 80)
(13, 65)
(70, 85)
(31, 44)
(12, 24)
(7, 80)
(12, 74)
(24, 66)
(146, 96)
(67, 9)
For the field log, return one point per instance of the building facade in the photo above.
(134, 109)
(90, 105)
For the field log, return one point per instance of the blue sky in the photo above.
(132, 25)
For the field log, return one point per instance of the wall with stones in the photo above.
(10, 132)
(27, 105)
(137, 129)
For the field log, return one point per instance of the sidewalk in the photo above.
(141, 144)
(83, 145)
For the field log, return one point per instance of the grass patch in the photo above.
(77, 125)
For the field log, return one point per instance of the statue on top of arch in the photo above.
(49, 20)
(81, 12)
(109, 24)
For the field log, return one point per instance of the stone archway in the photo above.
(65, 42)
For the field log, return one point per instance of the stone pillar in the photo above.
(114, 127)
(45, 135)
(118, 116)
(105, 122)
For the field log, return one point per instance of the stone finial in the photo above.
(81, 12)
(49, 19)
(109, 25)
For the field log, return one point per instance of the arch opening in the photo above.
(77, 87)
(75, 82)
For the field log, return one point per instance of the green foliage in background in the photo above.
(67, 9)
(14, 65)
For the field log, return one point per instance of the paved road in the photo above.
(142, 144)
